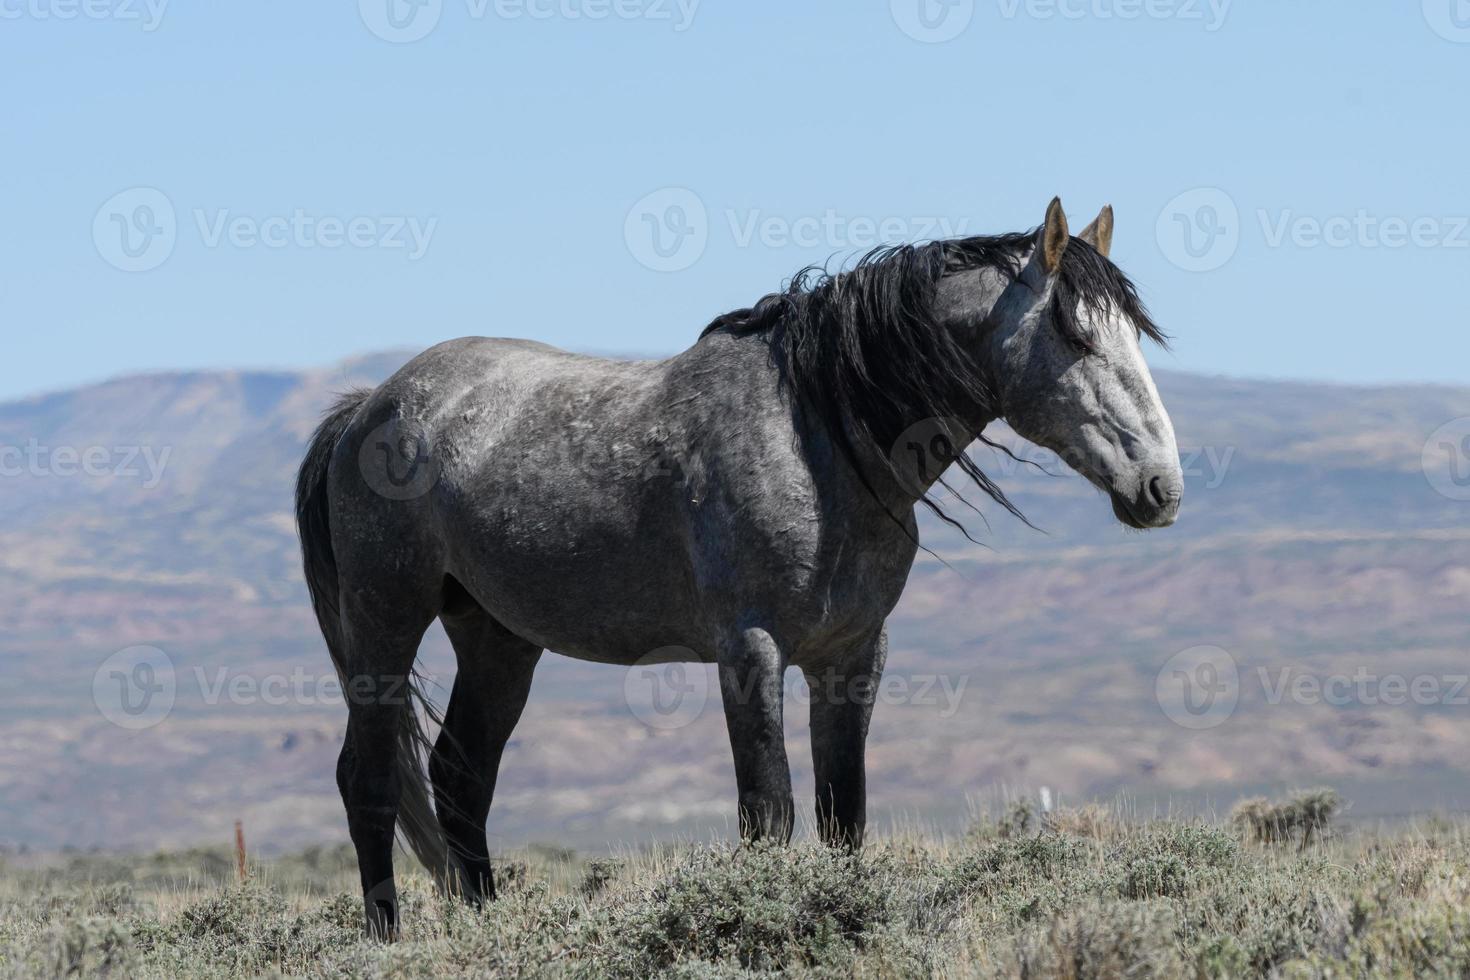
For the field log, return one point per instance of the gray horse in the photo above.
(749, 502)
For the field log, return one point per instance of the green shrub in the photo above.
(1105, 941)
(762, 908)
(1161, 899)
(90, 947)
(1305, 817)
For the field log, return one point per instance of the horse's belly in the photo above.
(600, 596)
(605, 570)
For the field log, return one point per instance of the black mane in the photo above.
(863, 350)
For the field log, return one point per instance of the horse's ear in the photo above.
(1054, 237)
(1099, 234)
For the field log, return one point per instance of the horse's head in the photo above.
(1063, 344)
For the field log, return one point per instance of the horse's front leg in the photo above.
(842, 704)
(751, 667)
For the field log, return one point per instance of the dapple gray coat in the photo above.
(749, 501)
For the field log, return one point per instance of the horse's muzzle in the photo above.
(1156, 501)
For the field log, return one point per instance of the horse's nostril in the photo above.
(1161, 492)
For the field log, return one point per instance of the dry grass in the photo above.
(1076, 893)
(1303, 818)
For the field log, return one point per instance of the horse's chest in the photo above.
(855, 582)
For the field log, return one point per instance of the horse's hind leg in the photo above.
(490, 689)
(380, 642)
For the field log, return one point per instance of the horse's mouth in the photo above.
(1142, 518)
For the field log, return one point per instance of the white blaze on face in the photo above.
(1130, 447)
(1137, 366)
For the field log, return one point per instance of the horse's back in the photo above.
(556, 499)
(502, 369)
(607, 508)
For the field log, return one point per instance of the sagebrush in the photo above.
(1076, 894)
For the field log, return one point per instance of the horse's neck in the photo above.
(964, 316)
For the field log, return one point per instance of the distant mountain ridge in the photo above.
(1311, 540)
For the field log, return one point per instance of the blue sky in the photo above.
(284, 184)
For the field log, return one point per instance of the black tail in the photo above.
(417, 821)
